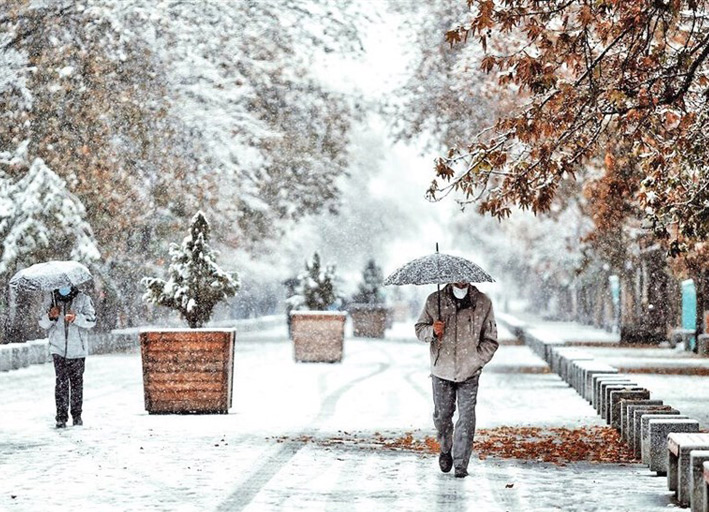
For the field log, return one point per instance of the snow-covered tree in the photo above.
(316, 287)
(370, 289)
(195, 283)
(40, 219)
(150, 110)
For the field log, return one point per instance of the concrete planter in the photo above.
(187, 370)
(369, 320)
(318, 336)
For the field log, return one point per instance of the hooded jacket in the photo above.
(470, 337)
(69, 340)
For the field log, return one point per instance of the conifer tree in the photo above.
(370, 289)
(315, 289)
(195, 283)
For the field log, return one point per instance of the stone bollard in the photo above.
(642, 420)
(626, 415)
(658, 430)
(697, 459)
(597, 380)
(606, 397)
(679, 469)
(560, 356)
(547, 346)
(576, 372)
(618, 399)
(588, 384)
(601, 386)
(705, 491)
(581, 369)
(703, 345)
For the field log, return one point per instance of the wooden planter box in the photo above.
(187, 370)
(368, 321)
(318, 336)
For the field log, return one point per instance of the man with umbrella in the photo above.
(66, 314)
(459, 325)
(463, 339)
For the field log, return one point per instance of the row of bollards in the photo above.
(659, 435)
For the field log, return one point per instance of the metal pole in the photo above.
(438, 285)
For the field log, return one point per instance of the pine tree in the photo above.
(195, 283)
(370, 291)
(315, 289)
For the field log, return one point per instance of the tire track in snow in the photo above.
(247, 491)
(416, 385)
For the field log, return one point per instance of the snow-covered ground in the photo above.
(126, 460)
(569, 332)
(677, 377)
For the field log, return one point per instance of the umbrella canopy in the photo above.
(439, 268)
(50, 276)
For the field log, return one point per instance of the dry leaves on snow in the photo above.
(554, 445)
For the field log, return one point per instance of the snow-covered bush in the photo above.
(195, 283)
(315, 289)
(370, 289)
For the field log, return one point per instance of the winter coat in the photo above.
(470, 336)
(69, 340)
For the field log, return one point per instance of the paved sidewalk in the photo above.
(127, 460)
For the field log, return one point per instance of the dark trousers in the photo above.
(460, 439)
(69, 388)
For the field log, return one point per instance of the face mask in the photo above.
(64, 291)
(460, 292)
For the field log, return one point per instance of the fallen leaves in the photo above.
(555, 445)
(669, 370)
(552, 445)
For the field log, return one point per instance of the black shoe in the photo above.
(78, 422)
(61, 424)
(445, 461)
(461, 472)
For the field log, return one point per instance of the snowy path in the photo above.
(127, 460)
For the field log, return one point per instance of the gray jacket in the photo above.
(470, 337)
(69, 340)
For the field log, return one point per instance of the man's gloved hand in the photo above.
(439, 328)
(70, 317)
(54, 313)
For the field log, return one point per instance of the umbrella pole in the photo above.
(439, 300)
(438, 285)
(438, 354)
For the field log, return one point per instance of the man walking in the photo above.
(67, 315)
(459, 324)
